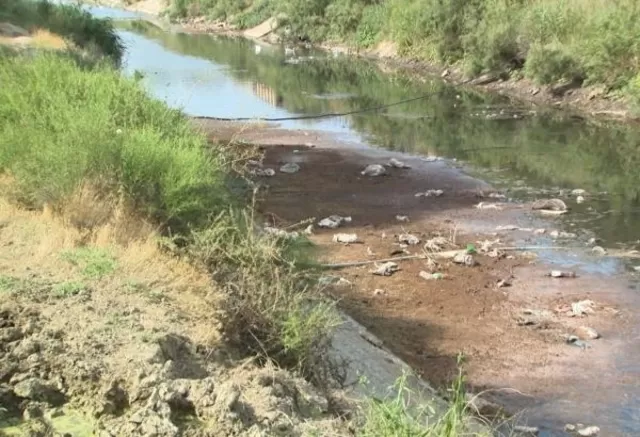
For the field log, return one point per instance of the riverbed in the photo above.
(488, 143)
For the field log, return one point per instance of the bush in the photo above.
(551, 63)
(62, 126)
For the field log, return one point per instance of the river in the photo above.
(523, 150)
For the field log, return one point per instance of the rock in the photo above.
(535, 91)
(32, 411)
(598, 250)
(36, 389)
(575, 341)
(503, 283)
(549, 204)
(463, 258)
(10, 334)
(430, 193)
(579, 199)
(562, 234)
(150, 423)
(114, 400)
(561, 274)
(587, 333)
(268, 172)
(385, 269)
(393, 162)
(378, 292)
(290, 167)
(430, 159)
(569, 427)
(539, 231)
(582, 307)
(402, 218)
(589, 431)
(528, 430)
(487, 205)
(333, 221)
(345, 238)
(25, 348)
(430, 276)
(578, 192)
(374, 170)
(409, 239)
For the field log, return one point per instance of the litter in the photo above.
(402, 218)
(589, 431)
(486, 205)
(436, 244)
(539, 231)
(308, 230)
(263, 172)
(562, 234)
(430, 159)
(409, 239)
(393, 162)
(370, 252)
(578, 192)
(530, 317)
(496, 196)
(507, 228)
(385, 269)
(587, 333)
(503, 283)
(345, 238)
(281, 233)
(430, 193)
(575, 341)
(463, 258)
(531, 430)
(430, 276)
(333, 221)
(582, 307)
(598, 250)
(290, 167)
(561, 274)
(579, 199)
(374, 170)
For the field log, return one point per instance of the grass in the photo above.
(94, 263)
(68, 21)
(592, 41)
(70, 288)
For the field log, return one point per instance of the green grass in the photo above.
(94, 263)
(68, 21)
(62, 127)
(67, 289)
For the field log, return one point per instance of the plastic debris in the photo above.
(561, 274)
(333, 221)
(345, 238)
(531, 430)
(378, 292)
(539, 231)
(582, 307)
(263, 172)
(575, 341)
(578, 192)
(328, 280)
(549, 205)
(430, 193)
(503, 283)
(463, 258)
(471, 248)
(587, 333)
(374, 170)
(409, 239)
(496, 196)
(385, 269)
(308, 230)
(531, 317)
(402, 218)
(281, 233)
(569, 427)
(290, 167)
(430, 159)
(580, 199)
(589, 431)
(436, 244)
(393, 162)
(487, 205)
(598, 250)
(430, 276)
(562, 234)
(507, 228)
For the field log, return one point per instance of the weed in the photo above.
(8, 283)
(67, 289)
(94, 263)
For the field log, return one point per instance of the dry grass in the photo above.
(40, 38)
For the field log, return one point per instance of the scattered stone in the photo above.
(561, 274)
(503, 283)
(556, 205)
(580, 199)
(562, 234)
(487, 205)
(569, 427)
(393, 162)
(345, 238)
(385, 269)
(402, 218)
(539, 231)
(589, 431)
(333, 221)
(583, 307)
(530, 430)
(374, 170)
(430, 193)
(587, 333)
(598, 250)
(575, 341)
(409, 239)
(578, 192)
(430, 276)
(290, 168)
(268, 172)
(36, 389)
(463, 258)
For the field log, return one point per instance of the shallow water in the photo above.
(529, 154)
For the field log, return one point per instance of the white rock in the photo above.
(463, 258)
(402, 218)
(598, 250)
(569, 427)
(374, 170)
(333, 221)
(589, 431)
(290, 167)
(263, 172)
(393, 162)
(386, 269)
(579, 199)
(345, 238)
(561, 274)
(579, 192)
(587, 333)
(409, 239)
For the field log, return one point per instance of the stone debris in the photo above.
(333, 221)
(562, 234)
(527, 430)
(430, 276)
(575, 341)
(556, 205)
(589, 431)
(532, 317)
(393, 162)
(345, 238)
(430, 193)
(385, 269)
(580, 199)
(402, 218)
(587, 333)
(561, 274)
(267, 172)
(290, 168)
(436, 244)
(582, 308)
(463, 258)
(487, 205)
(409, 239)
(374, 170)
(599, 250)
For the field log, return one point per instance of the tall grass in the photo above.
(62, 126)
(68, 21)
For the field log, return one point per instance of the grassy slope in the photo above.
(594, 41)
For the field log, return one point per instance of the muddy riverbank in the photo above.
(504, 314)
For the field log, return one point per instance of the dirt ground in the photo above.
(513, 338)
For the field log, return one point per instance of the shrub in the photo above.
(551, 63)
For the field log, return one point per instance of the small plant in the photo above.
(67, 289)
(94, 263)
(8, 283)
